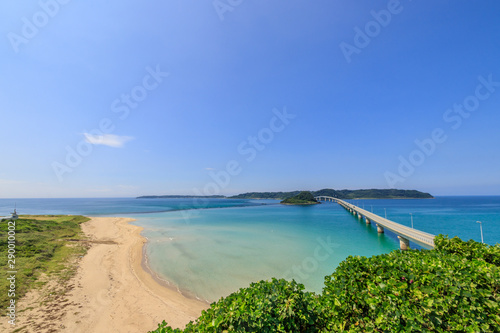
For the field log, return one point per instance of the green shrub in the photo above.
(275, 306)
(455, 287)
(470, 250)
(413, 291)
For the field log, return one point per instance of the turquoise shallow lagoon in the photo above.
(217, 251)
(210, 248)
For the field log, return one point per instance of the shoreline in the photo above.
(165, 283)
(134, 301)
(144, 301)
(112, 290)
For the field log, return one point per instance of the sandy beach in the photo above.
(111, 291)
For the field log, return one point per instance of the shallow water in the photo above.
(224, 245)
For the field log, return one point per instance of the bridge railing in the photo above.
(415, 235)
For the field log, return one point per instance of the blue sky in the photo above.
(127, 98)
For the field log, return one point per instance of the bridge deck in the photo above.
(420, 237)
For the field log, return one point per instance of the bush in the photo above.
(455, 287)
(413, 291)
(470, 250)
(275, 306)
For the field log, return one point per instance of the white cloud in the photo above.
(109, 140)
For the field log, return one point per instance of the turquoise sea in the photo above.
(210, 248)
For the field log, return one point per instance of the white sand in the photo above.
(111, 291)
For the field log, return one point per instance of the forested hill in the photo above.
(342, 194)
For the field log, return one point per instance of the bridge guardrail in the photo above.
(399, 229)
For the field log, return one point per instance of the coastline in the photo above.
(140, 303)
(167, 284)
(112, 290)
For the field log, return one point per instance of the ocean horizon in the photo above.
(208, 248)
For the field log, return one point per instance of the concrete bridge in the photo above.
(405, 234)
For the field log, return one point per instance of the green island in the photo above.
(340, 194)
(303, 198)
(46, 246)
(454, 287)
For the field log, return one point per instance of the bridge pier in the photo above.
(405, 234)
(404, 244)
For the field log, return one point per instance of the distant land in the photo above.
(340, 194)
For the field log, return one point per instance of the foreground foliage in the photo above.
(470, 250)
(276, 306)
(40, 247)
(455, 287)
(413, 291)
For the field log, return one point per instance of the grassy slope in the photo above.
(44, 244)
